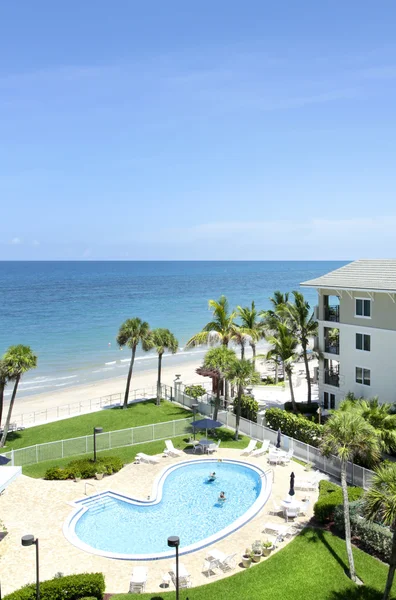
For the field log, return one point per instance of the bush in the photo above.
(373, 538)
(86, 468)
(330, 496)
(194, 391)
(303, 407)
(70, 587)
(249, 407)
(294, 426)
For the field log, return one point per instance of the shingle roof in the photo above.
(365, 274)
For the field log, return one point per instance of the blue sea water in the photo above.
(70, 312)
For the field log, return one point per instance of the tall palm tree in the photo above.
(380, 504)
(251, 325)
(19, 359)
(304, 325)
(347, 435)
(240, 338)
(4, 379)
(161, 340)
(219, 359)
(284, 347)
(272, 318)
(131, 333)
(241, 373)
(220, 329)
(378, 415)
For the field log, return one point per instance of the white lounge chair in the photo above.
(306, 484)
(262, 450)
(170, 450)
(284, 460)
(142, 457)
(138, 580)
(291, 513)
(249, 448)
(275, 458)
(228, 563)
(184, 576)
(209, 566)
(214, 447)
(276, 509)
(280, 531)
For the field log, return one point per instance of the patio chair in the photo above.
(184, 576)
(274, 458)
(287, 458)
(170, 450)
(138, 580)
(249, 448)
(209, 566)
(291, 513)
(276, 509)
(262, 450)
(147, 458)
(228, 563)
(214, 447)
(304, 507)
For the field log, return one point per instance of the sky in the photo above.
(210, 129)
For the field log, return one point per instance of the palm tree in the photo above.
(347, 435)
(240, 338)
(241, 373)
(161, 340)
(131, 333)
(272, 318)
(219, 359)
(251, 325)
(18, 359)
(380, 504)
(304, 325)
(284, 347)
(4, 379)
(378, 415)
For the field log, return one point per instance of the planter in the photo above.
(256, 557)
(267, 551)
(246, 561)
(77, 479)
(99, 476)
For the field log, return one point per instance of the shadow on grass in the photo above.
(13, 435)
(359, 593)
(318, 536)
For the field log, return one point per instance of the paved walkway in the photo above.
(41, 507)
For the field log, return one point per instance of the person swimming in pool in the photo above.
(212, 476)
(222, 497)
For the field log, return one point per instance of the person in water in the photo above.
(222, 497)
(212, 476)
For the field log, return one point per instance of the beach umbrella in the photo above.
(207, 424)
(291, 491)
(279, 438)
(4, 460)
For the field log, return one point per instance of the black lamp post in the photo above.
(28, 540)
(195, 408)
(96, 430)
(173, 542)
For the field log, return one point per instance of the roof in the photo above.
(365, 274)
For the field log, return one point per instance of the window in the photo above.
(363, 376)
(363, 342)
(325, 400)
(362, 308)
(332, 401)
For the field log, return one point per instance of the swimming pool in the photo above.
(183, 503)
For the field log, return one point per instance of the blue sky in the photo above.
(197, 130)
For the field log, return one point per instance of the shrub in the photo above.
(70, 587)
(86, 468)
(249, 407)
(194, 391)
(330, 496)
(294, 426)
(303, 407)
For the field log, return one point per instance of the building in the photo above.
(356, 315)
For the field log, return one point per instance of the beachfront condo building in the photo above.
(356, 315)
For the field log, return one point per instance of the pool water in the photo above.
(189, 508)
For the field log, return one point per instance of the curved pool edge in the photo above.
(157, 488)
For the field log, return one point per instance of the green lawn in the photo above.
(128, 453)
(142, 413)
(311, 567)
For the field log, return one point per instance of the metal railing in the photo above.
(332, 313)
(332, 348)
(332, 378)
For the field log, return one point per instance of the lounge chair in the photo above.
(228, 563)
(184, 576)
(306, 484)
(280, 531)
(291, 513)
(262, 450)
(209, 566)
(142, 457)
(276, 509)
(249, 448)
(138, 580)
(170, 450)
(275, 458)
(214, 447)
(284, 460)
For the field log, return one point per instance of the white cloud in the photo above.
(15, 241)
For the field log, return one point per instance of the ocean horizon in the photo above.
(69, 312)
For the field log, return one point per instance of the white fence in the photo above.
(356, 475)
(104, 441)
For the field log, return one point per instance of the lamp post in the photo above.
(96, 430)
(173, 542)
(319, 411)
(195, 408)
(28, 540)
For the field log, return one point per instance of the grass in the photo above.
(312, 567)
(141, 413)
(127, 453)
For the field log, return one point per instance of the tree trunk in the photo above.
(217, 401)
(2, 386)
(392, 567)
(8, 419)
(242, 351)
(347, 520)
(238, 412)
(307, 374)
(253, 346)
(293, 400)
(276, 372)
(125, 405)
(159, 380)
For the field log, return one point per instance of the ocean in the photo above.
(70, 312)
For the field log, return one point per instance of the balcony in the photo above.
(332, 348)
(332, 378)
(332, 313)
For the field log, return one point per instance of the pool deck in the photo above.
(41, 508)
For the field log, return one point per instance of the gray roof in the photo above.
(364, 274)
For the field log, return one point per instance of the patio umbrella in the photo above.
(4, 460)
(291, 491)
(279, 438)
(207, 424)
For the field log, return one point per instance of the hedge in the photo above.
(373, 538)
(70, 587)
(294, 426)
(85, 468)
(303, 407)
(330, 497)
